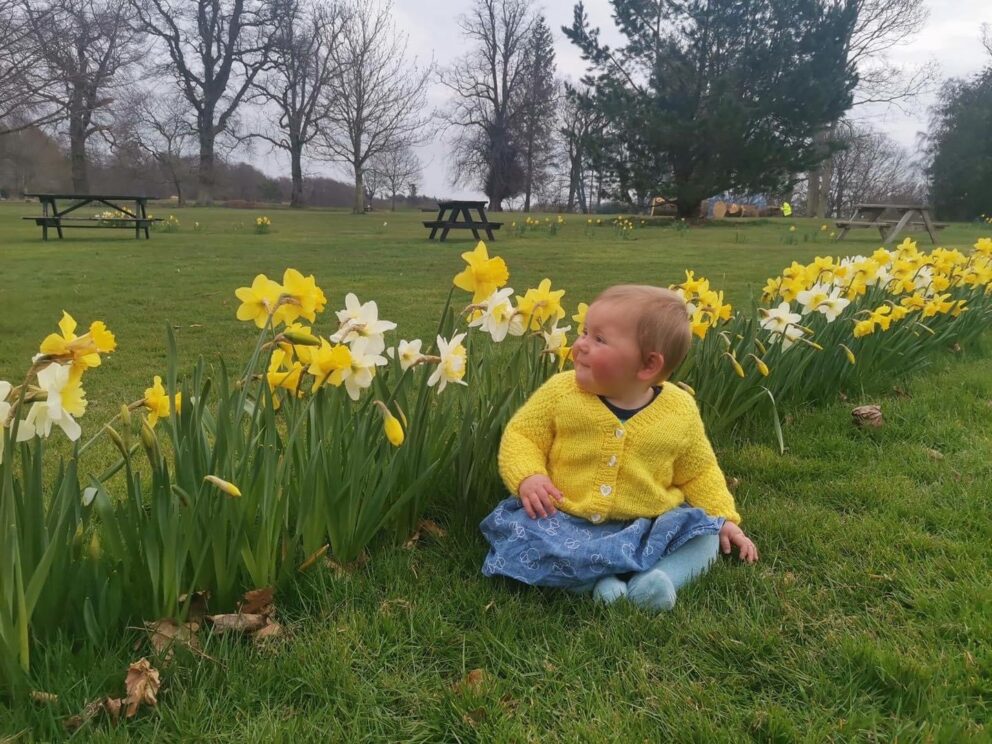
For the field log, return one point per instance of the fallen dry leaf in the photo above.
(472, 682)
(46, 698)
(238, 622)
(869, 416)
(166, 633)
(142, 684)
(270, 631)
(320, 553)
(110, 706)
(388, 604)
(474, 717)
(733, 483)
(902, 393)
(432, 528)
(934, 454)
(257, 602)
(197, 605)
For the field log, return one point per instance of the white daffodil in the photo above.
(65, 398)
(498, 315)
(364, 359)
(555, 339)
(790, 336)
(361, 321)
(923, 281)
(408, 352)
(778, 319)
(451, 366)
(812, 298)
(24, 430)
(833, 306)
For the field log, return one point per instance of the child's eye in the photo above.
(600, 340)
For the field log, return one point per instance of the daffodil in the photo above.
(156, 400)
(259, 301)
(328, 364)
(408, 353)
(497, 315)
(24, 430)
(580, 317)
(64, 399)
(225, 486)
(451, 362)
(541, 305)
(556, 342)
(864, 328)
(360, 321)
(699, 323)
(283, 372)
(365, 358)
(984, 246)
(483, 275)
(300, 298)
(391, 426)
(83, 351)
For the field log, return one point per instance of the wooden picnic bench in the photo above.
(124, 217)
(911, 216)
(452, 221)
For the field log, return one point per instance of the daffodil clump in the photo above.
(262, 225)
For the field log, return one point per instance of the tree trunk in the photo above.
(529, 177)
(206, 174)
(827, 173)
(296, 165)
(392, 201)
(180, 199)
(359, 206)
(77, 155)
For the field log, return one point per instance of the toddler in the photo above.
(619, 492)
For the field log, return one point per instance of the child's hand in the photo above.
(538, 495)
(731, 534)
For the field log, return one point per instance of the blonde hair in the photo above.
(662, 321)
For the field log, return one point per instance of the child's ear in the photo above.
(651, 367)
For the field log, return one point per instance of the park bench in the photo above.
(911, 217)
(124, 217)
(454, 209)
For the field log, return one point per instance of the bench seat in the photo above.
(464, 225)
(887, 223)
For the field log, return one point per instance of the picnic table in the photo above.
(454, 209)
(52, 216)
(910, 216)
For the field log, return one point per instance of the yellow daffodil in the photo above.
(283, 373)
(692, 286)
(226, 486)
(328, 364)
(580, 317)
(156, 400)
(864, 328)
(541, 305)
(984, 246)
(700, 323)
(483, 275)
(83, 351)
(259, 301)
(392, 428)
(770, 291)
(300, 297)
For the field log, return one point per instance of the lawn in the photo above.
(866, 619)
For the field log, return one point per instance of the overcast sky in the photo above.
(950, 38)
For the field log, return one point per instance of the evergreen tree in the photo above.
(708, 96)
(537, 108)
(960, 149)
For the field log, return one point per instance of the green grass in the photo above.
(866, 619)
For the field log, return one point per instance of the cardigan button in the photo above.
(612, 461)
(605, 490)
(618, 432)
(596, 518)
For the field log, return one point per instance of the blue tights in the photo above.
(656, 588)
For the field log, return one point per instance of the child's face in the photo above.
(608, 359)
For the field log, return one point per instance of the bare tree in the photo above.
(881, 25)
(216, 49)
(397, 167)
(22, 80)
(378, 98)
(85, 48)
(159, 127)
(987, 38)
(303, 66)
(579, 121)
(488, 85)
(870, 168)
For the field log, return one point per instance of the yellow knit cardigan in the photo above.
(607, 470)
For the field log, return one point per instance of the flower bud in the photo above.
(300, 338)
(229, 488)
(116, 439)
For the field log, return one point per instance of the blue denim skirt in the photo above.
(566, 551)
